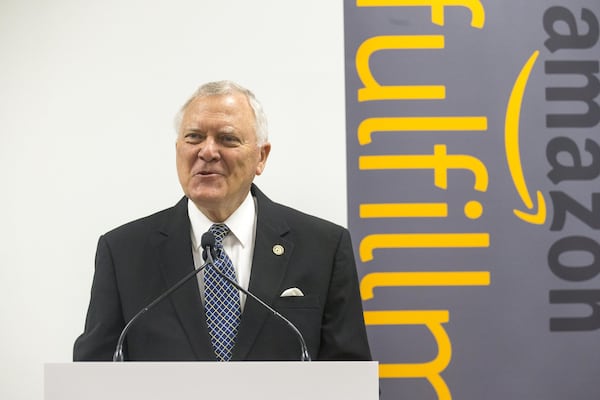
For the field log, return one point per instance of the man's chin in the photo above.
(206, 200)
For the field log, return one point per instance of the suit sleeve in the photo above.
(104, 320)
(343, 334)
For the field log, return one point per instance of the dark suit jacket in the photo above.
(138, 261)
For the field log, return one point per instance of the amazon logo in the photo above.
(573, 154)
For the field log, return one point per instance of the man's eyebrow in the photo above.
(227, 129)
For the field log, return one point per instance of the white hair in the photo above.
(229, 87)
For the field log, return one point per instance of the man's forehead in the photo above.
(225, 112)
(230, 104)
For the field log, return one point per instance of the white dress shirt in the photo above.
(238, 244)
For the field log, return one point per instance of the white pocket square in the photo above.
(292, 292)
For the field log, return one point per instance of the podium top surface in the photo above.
(228, 380)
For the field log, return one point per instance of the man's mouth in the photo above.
(206, 173)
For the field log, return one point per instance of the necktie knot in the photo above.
(220, 231)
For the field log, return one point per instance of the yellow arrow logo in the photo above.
(513, 152)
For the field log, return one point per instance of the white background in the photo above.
(88, 91)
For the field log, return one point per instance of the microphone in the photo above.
(208, 244)
(304, 356)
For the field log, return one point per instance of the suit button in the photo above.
(278, 250)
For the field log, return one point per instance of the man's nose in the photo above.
(209, 149)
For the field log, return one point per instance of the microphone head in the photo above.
(208, 241)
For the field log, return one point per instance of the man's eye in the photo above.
(230, 140)
(193, 137)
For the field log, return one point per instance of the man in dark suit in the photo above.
(301, 265)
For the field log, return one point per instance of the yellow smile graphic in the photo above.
(513, 153)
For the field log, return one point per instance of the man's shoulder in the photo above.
(153, 222)
(294, 217)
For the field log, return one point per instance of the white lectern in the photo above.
(212, 380)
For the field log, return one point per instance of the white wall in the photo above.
(88, 90)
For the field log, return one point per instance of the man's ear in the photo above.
(264, 151)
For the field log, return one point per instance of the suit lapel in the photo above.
(268, 271)
(175, 258)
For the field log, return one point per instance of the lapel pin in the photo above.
(278, 250)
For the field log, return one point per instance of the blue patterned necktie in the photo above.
(221, 299)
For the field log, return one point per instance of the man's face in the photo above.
(217, 153)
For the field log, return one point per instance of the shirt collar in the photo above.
(241, 222)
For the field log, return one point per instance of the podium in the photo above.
(357, 380)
